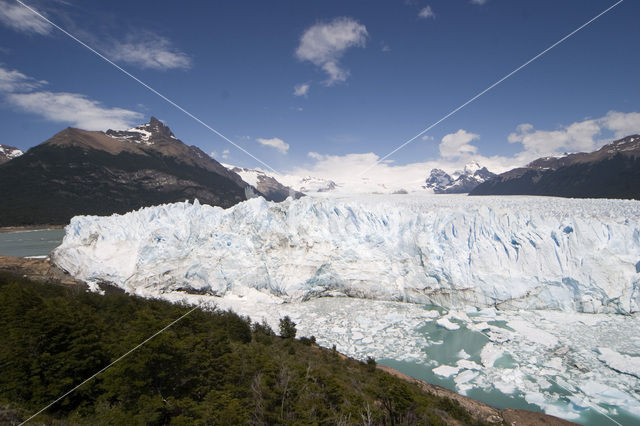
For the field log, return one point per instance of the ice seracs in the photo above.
(456, 251)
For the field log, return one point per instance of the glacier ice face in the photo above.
(510, 252)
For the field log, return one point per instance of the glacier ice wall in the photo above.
(510, 252)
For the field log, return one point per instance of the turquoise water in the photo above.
(445, 348)
(30, 243)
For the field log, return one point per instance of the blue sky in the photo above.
(320, 87)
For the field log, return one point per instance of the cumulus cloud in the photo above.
(75, 109)
(426, 12)
(324, 44)
(19, 18)
(455, 145)
(276, 143)
(149, 50)
(621, 124)
(583, 135)
(301, 89)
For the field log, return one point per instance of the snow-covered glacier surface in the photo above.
(507, 252)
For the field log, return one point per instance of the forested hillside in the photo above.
(209, 368)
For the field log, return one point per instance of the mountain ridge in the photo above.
(460, 182)
(612, 171)
(79, 172)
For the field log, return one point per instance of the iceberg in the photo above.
(453, 251)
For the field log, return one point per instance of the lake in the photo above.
(30, 243)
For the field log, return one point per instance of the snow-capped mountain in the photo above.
(517, 252)
(85, 172)
(315, 184)
(9, 153)
(266, 183)
(613, 171)
(460, 181)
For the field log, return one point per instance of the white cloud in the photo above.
(427, 138)
(426, 12)
(323, 44)
(301, 89)
(579, 136)
(455, 145)
(21, 19)
(75, 109)
(384, 47)
(621, 124)
(276, 143)
(480, 2)
(13, 80)
(149, 50)
(78, 110)
(456, 150)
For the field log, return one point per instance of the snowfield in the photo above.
(452, 251)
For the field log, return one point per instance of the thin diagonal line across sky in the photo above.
(145, 85)
(407, 142)
(112, 363)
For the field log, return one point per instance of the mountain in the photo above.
(613, 171)
(79, 172)
(266, 184)
(461, 182)
(9, 153)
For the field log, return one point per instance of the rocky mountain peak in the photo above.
(462, 181)
(9, 153)
(147, 134)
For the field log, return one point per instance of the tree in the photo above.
(287, 328)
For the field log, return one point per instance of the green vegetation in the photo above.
(209, 368)
(287, 328)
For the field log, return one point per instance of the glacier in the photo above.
(448, 250)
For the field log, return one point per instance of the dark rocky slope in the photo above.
(83, 172)
(610, 172)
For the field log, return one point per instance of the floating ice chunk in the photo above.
(489, 354)
(463, 380)
(444, 322)
(469, 365)
(462, 354)
(446, 370)
(602, 393)
(431, 314)
(532, 333)
(465, 376)
(619, 362)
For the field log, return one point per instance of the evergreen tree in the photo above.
(287, 328)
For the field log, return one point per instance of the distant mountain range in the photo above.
(9, 153)
(86, 172)
(459, 182)
(613, 171)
